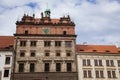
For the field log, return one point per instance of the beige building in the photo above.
(98, 62)
(45, 48)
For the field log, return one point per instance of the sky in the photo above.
(97, 21)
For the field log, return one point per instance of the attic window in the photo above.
(81, 50)
(94, 50)
(107, 51)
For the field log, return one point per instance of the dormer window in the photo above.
(81, 50)
(107, 51)
(94, 50)
(26, 31)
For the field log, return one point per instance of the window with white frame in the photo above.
(99, 74)
(111, 74)
(87, 73)
(98, 62)
(86, 62)
(109, 63)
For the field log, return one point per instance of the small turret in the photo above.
(47, 13)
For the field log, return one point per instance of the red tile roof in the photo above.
(6, 42)
(97, 48)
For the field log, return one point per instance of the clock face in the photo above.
(46, 30)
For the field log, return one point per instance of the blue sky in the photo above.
(97, 21)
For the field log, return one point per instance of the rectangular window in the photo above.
(32, 54)
(68, 43)
(21, 67)
(114, 74)
(99, 74)
(57, 43)
(86, 62)
(33, 43)
(32, 67)
(6, 73)
(69, 67)
(47, 43)
(87, 74)
(111, 74)
(109, 63)
(22, 54)
(7, 60)
(98, 62)
(118, 61)
(47, 52)
(68, 53)
(22, 43)
(58, 52)
(58, 66)
(46, 67)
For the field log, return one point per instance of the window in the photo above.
(99, 74)
(68, 53)
(86, 62)
(98, 62)
(111, 74)
(118, 61)
(87, 74)
(32, 67)
(47, 43)
(26, 31)
(57, 43)
(33, 43)
(69, 67)
(64, 32)
(21, 67)
(68, 43)
(46, 67)
(58, 66)
(32, 54)
(22, 43)
(6, 73)
(22, 54)
(47, 52)
(58, 53)
(7, 60)
(109, 63)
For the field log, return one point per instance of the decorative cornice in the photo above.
(46, 35)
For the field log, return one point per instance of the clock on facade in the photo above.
(46, 30)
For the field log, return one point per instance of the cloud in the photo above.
(97, 21)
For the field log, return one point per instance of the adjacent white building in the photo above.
(98, 62)
(6, 53)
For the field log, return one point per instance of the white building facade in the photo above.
(93, 64)
(5, 64)
(6, 54)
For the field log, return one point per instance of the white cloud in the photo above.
(96, 23)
